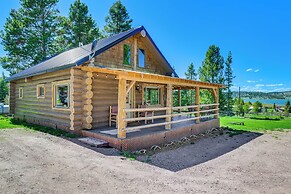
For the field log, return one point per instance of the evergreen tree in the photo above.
(82, 26)
(41, 25)
(118, 19)
(228, 81)
(287, 107)
(29, 34)
(212, 71)
(191, 75)
(3, 88)
(257, 107)
(14, 42)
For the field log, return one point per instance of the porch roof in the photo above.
(152, 78)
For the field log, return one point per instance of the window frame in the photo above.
(125, 64)
(159, 95)
(144, 57)
(38, 90)
(20, 91)
(61, 83)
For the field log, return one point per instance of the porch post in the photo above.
(121, 106)
(216, 97)
(179, 99)
(169, 104)
(197, 102)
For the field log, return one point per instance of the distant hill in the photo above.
(263, 95)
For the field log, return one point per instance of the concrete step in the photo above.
(94, 142)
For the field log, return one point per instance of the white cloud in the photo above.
(250, 69)
(260, 85)
(274, 85)
(257, 70)
(251, 81)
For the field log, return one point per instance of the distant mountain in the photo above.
(263, 95)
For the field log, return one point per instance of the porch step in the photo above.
(94, 142)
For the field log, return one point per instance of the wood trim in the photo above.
(65, 82)
(20, 91)
(37, 90)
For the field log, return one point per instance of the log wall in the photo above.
(39, 110)
(113, 57)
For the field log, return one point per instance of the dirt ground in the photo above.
(32, 162)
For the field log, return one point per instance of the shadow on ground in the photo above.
(199, 151)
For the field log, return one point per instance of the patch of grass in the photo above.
(271, 118)
(10, 123)
(256, 125)
(129, 155)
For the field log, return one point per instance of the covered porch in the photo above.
(130, 124)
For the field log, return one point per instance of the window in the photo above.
(141, 58)
(40, 91)
(152, 95)
(61, 96)
(20, 93)
(126, 54)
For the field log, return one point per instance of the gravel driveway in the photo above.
(32, 162)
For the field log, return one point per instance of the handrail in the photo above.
(165, 123)
(127, 110)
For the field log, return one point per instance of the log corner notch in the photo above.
(87, 96)
(76, 104)
(121, 124)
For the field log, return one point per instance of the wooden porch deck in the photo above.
(143, 138)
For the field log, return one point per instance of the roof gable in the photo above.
(80, 55)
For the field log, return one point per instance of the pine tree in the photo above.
(118, 19)
(191, 75)
(14, 42)
(41, 27)
(3, 88)
(82, 25)
(287, 107)
(212, 70)
(29, 34)
(228, 81)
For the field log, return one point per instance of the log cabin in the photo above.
(119, 89)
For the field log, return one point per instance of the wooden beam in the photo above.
(216, 97)
(169, 104)
(129, 87)
(179, 99)
(151, 78)
(121, 124)
(197, 102)
(135, 54)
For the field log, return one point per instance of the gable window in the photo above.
(126, 54)
(61, 94)
(152, 95)
(40, 91)
(20, 93)
(141, 58)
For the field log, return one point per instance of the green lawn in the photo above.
(256, 124)
(10, 123)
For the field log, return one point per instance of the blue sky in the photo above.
(257, 33)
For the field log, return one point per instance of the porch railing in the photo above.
(174, 111)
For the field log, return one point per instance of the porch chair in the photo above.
(145, 113)
(113, 112)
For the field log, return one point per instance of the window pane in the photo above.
(141, 59)
(41, 91)
(62, 96)
(126, 54)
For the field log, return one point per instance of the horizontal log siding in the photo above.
(113, 57)
(104, 95)
(39, 110)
